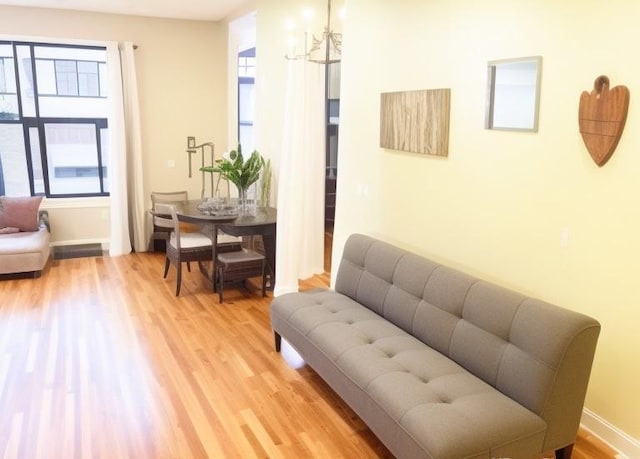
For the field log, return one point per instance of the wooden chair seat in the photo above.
(185, 247)
(239, 266)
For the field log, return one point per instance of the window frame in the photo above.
(39, 122)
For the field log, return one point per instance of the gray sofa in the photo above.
(438, 363)
(26, 253)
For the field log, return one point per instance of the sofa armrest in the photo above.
(43, 216)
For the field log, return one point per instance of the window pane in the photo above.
(251, 67)
(7, 70)
(15, 174)
(246, 137)
(106, 158)
(9, 107)
(8, 97)
(102, 71)
(72, 156)
(3, 79)
(46, 74)
(66, 78)
(88, 79)
(7, 75)
(246, 102)
(36, 160)
(25, 74)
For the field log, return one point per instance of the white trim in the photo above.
(626, 446)
(76, 203)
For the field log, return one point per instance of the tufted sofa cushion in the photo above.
(516, 344)
(409, 389)
(439, 363)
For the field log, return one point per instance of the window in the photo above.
(247, 63)
(6, 70)
(246, 96)
(70, 78)
(8, 96)
(53, 120)
(66, 78)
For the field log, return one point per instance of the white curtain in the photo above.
(300, 235)
(125, 168)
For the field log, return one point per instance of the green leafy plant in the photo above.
(235, 169)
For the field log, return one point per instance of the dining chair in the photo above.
(239, 265)
(184, 246)
(160, 202)
(224, 242)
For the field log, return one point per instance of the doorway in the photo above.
(331, 163)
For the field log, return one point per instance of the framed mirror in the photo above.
(513, 94)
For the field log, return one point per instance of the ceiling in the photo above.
(206, 10)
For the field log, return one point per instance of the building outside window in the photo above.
(53, 120)
(246, 98)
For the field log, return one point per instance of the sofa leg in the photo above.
(278, 340)
(564, 453)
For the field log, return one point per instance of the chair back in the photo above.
(170, 221)
(161, 203)
(175, 221)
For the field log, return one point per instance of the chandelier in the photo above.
(324, 50)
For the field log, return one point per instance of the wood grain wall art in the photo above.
(601, 117)
(416, 121)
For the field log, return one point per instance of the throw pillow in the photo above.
(20, 212)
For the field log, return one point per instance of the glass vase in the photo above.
(242, 201)
(246, 203)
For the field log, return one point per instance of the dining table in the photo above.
(257, 221)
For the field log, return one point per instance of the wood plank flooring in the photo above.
(99, 359)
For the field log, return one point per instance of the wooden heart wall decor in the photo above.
(601, 116)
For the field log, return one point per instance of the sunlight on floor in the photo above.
(290, 355)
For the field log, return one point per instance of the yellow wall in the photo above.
(497, 206)
(182, 83)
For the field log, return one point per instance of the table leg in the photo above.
(269, 242)
(214, 250)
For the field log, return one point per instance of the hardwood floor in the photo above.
(98, 358)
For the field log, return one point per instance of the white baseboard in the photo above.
(626, 446)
